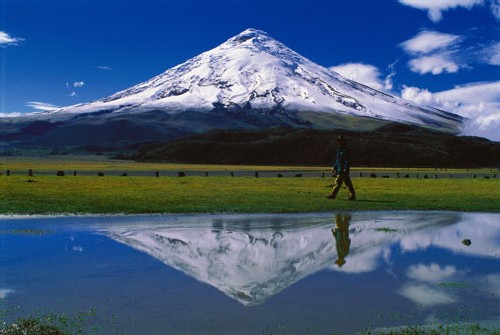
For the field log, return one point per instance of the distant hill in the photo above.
(391, 145)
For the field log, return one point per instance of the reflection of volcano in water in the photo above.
(253, 258)
(249, 266)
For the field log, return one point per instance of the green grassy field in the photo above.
(48, 194)
(89, 194)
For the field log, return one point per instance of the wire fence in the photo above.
(255, 174)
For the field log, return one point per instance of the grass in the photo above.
(98, 163)
(133, 195)
(48, 194)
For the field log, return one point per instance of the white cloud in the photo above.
(78, 84)
(479, 102)
(388, 81)
(435, 64)
(495, 8)
(491, 54)
(426, 42)
(435, 8)
(41, 106)
(425, 295)
(419, 96)
(13, 114)
(6, 39)
(434, 52)
(432, 273)
(104, 67)
(365, 74)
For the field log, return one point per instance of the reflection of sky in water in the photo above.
(328, 272)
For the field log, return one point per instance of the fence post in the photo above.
(8, 173)
(157, 174)
(30, 172)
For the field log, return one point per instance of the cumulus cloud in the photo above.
(436, 8)
(78, 84)
(429, 41)
(365, 74)
(433, 52)
(495, 8)
(435, 64)
(6, 39)
(13, 114)
(41, 106)
(491, 54)
(479, 102)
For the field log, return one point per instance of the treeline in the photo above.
(394, 145)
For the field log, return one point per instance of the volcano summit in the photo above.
(251, 81)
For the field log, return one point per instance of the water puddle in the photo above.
(336, 273)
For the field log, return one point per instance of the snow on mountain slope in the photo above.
(252, 71)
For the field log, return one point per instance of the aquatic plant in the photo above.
(87, 322)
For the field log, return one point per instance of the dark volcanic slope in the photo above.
(392, 145)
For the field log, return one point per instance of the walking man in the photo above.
(341, 169)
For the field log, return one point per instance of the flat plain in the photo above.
(211, 189)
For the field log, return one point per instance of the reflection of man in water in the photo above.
(341, 235)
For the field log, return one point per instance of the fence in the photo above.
(256, 174)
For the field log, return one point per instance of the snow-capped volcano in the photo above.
(251, 81)
(252, 71)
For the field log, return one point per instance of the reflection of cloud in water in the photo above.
(425, 295)
(251, 258)
(4, 292)
(493, 283)
(482, 229)
(432, 273)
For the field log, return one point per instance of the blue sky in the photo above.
(444, 53)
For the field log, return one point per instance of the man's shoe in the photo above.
(330, 196)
